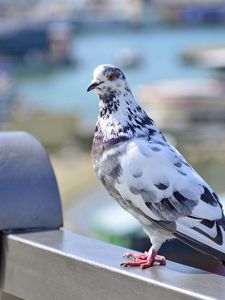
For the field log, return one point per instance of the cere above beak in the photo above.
(93, 85)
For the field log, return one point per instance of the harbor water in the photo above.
(160, 49)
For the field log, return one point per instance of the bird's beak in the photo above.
(93, 85)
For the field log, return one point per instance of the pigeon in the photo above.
(148, 177)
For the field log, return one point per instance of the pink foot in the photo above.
(144, 260)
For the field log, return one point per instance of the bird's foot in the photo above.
(144, 260)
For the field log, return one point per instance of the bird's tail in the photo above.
(206, 236)
(201, 234)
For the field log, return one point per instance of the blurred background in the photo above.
(173, 55)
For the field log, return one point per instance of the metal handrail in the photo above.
(60, 265)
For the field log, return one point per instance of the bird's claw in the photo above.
(134, 256)
(143, 260)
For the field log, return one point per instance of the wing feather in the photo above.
(169, 190)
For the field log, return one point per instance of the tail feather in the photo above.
(196, 244)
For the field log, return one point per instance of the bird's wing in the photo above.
(161, 186)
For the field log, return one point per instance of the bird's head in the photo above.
(107, 78)
(120, 117)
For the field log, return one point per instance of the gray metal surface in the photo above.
(29, 193)
(5, 296)
(62, 265)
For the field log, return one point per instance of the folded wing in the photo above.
(161, 186)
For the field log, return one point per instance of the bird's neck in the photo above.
(121, 118)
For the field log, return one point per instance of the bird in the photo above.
(149, 177)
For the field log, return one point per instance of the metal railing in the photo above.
(62, 265)
(42, 262)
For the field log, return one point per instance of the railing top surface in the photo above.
(73, 266)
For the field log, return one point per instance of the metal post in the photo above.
(29, 197)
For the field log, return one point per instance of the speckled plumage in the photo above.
(147, 175)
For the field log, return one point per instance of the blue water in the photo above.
(65, 89)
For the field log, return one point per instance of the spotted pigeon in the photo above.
(148, 177)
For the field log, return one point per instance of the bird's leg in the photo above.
(144, 260)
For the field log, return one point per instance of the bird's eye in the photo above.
(111, 76)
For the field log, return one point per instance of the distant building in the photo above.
(35, 43)
(195, 11)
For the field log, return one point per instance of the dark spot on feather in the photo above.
(156, 149)
(147, 195)
(208, 223)
(147, 121)
(182, 173)
(163, 137)
(112, 166)
(161, 143)
(129, 110)
(168, 206)
(179, 196)
(138, 122)
(139, 109)
(189, 203)
(137, 174)
(218, 239)
(151, 132)
(116, 171)
(161, 186)
(178, 164)
(207, 197)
